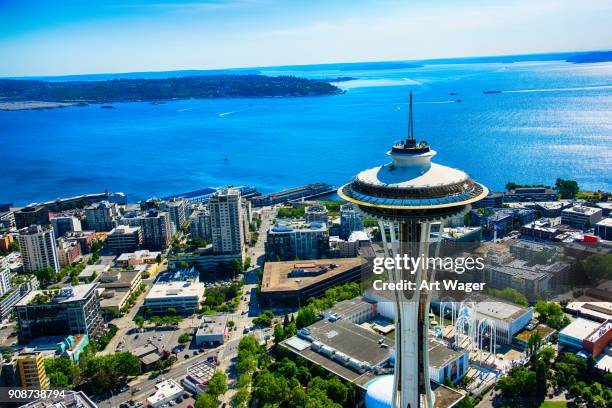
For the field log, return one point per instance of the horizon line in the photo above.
(551, 53)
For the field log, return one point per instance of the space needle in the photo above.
(412, 198)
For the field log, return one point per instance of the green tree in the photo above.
(271, 389)
(287, 368)
(519, 381)
(594, 268)
(336, 390)
(109, 372)
(217, 385)
(303, 375)
(139, 320)
(567, 188)
(306, 316)
(264, 319)
(58, 380)
(534, 342)
(206, 400)
(246, 364)
(45, 276)
(466, 402)
(511, 186)
(184, 338)
(241, 397)
(552, 314)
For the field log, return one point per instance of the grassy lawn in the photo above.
(553, 404)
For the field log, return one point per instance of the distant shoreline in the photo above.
(28, 94)
(33, 105)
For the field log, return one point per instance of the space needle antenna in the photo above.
(410, 122)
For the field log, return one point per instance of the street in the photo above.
(143, 386)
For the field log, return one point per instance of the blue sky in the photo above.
(41, 37)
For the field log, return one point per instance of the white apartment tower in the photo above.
(177, 210)
(38, 249)
(200, 224)
(5, 276)
(101, 216)
(226, 222)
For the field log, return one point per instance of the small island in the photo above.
(29, 94)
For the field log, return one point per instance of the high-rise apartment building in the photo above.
(38, 249)
(101, 216)
(199, 224)
(316, 213)
(31, 368)
(177, 210)
(156, 228)
(59, 312)
(351, 219)
(5, 276)
(124, 238)
(62, 225)
(226, 222)
(287, 242)
(32, 214)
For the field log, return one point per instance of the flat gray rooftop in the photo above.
(350, 339)
(350, 305)
(440, 354)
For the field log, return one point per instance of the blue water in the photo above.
(558, 123)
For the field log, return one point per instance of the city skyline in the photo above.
(86, 38)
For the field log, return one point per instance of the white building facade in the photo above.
(38, 249)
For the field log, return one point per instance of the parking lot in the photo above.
(164, 340)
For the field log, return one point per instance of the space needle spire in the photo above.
(410, 138)
(411, 198)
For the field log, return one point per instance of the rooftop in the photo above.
(348, 306)
(354, 341)
(543, 330)
(518, 272)
(175, 289)
(64, 295)
(201, 372)
(144, 350)
(499, 310)
(283, 276)
(408, 177)
(580, 209)
(316, 209)
(118, 279)
(606, 222)
(440, 354)
(71, 399)
(459, 232)
(596, 309)
(212, 325)
(90, 269)
(179, 275)
(580, 328)
(357, 236)
(143, 254)
(164, 390)
(123, 230)
(297, 227)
